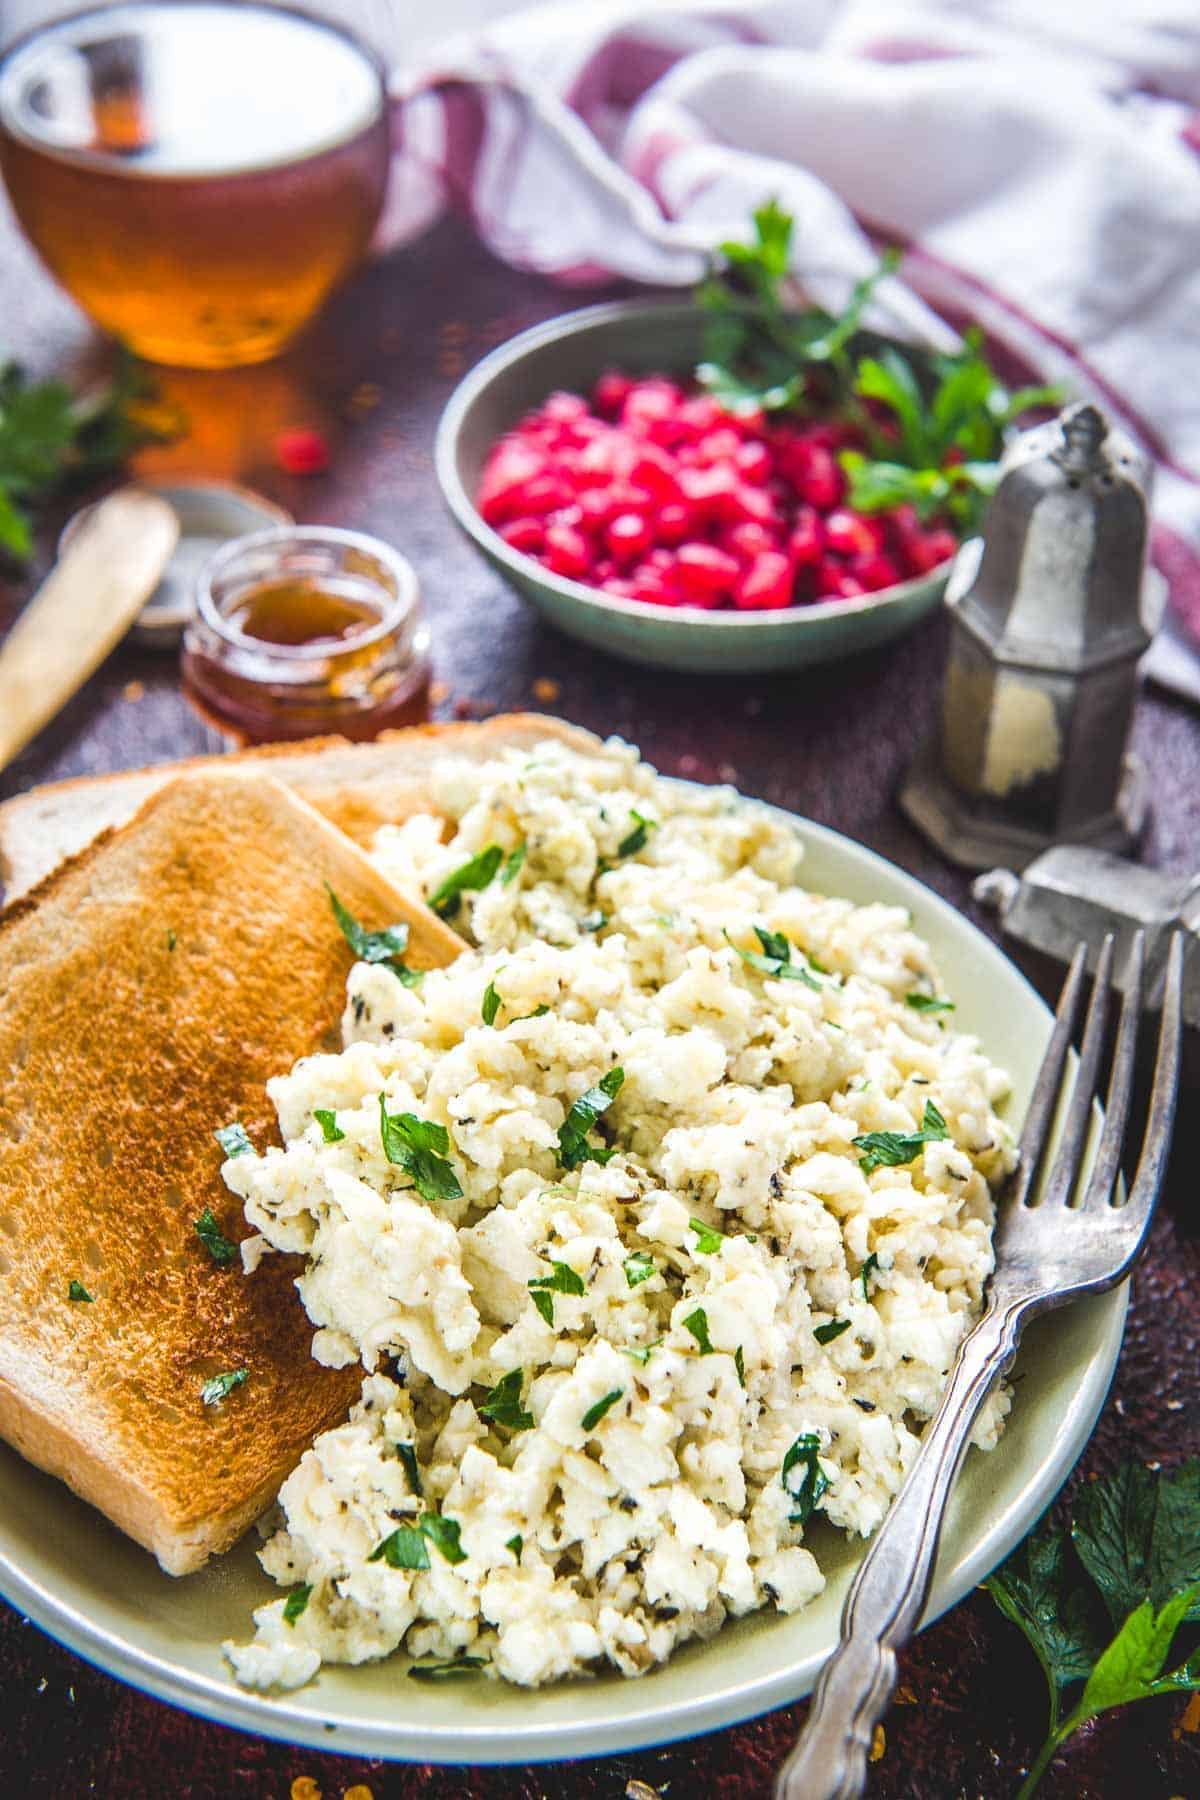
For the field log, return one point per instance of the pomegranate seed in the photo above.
(611, 392)
(748, 539)
(875, 572)
(510, 467)
(567, 551)
(652, 469)
(766, 584)
(807, 541)
(822, 485)
(564, 408)
(718, 446)
(629, 536)
(673, 523)
(926, 550)
(302, 451)
(942, 545)
(527, 535)
(699, 415)
(753, 461)
(705, 572)
(849, 534)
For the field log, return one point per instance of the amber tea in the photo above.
(198, 176)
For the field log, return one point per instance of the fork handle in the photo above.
(888, 1594)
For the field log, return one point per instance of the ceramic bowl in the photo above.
(570, 352)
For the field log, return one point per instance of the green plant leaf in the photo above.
(479, 872)
(1138, 1535)
(573, 1145)
(418, 1146)
(891, 1149)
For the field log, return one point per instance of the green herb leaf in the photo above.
(697, 1323)
(412, 1469)
(386, 946)
(491, 1003)
(77, 1291)
(479, 872)
(639, 1267)
(868, 1269)
(890, 1149)
(419, 1147)
(775, 959)
(446, 1671)
(708, 1239)
(636, 839)
(444, 1534)
(640, 1353)
(1131, 1666)
(503, 1404)
(516, 1544)
(739, 1363)
(331, 1131)
(219, 1247)
(539, 1012)
(573, 1145)
(928, 1003)
(563, 1281)
(233, 1140)
(1138, 1535)
(403, 1548)
(297, 1600)
(594, 1414)
(825, 1334)
(545, 1304)
(219, 1387)
(814, 1483)
(514, 863)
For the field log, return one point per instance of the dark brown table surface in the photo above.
(832, 744)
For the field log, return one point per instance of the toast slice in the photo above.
(146, 994)
(358, 786)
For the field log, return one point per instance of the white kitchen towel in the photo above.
(1038, 160)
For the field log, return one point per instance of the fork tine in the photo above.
(1120, 1082)
(1157, 1144)
(1045, 1093)
(1069, 1156)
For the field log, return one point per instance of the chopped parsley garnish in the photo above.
(639, 1352)
(739, 1363)
(445, 1671)
(868, 1269)
(419, 1147)
(233, 1140)
(573, 1145)
(636, 839)
(219, 1247)
(503, 1404)
(77, 1291)
(638, 1268)
(404, 1548)
(776, 958)
(928, 1003)
(296, 1602)
(478, 873)
(594, 1414)
(545, 1304)
(697, 1323)
(331, 1131)
(593, 921)
(516, 1544)
(171, 940)
(514, 863)
(412, 1469)
(708, 1239)
(219, 1387)
(386, 946)
(825, 1334)
(491, 1003)
(539, 1012)
(814, 1482)
(889, 1149)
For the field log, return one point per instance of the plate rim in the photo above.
(638, 1727)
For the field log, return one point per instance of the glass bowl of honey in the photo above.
(304, 631)
(198, 174)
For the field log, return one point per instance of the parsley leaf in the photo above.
(503, 1404)
(490, 1005)
(928, 1003)
(594, 1414)
(412, 1469)
(639, 1267)
(563, 1281)
(1138, 1536)
(635, 840)
(516, 1544)
(573, 1145)
(219, 1387)
(514, 863)
(297, 1600)
(445, 1671)
(545, 1305)
(386, 946)
(708, 1239)
(77, 1291)
(444, 1533)
(419, 1147)
(403, 1548)
(825, 1334)
(233, 1140)
(213, 1238)
(331, 1131)
(479, 872)
(814, 1483)
(739, 1363)
(775, 958)
(697, 1323)
(868, 1269)
(640, 1353)
(889, 1149)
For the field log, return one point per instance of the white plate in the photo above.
(73, 1574)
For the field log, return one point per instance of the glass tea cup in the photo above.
(198, 174)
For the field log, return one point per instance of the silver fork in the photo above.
(1048, 1252)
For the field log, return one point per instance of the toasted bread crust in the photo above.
(357, 786)
(147, 992)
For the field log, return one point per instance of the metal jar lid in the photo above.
(210, 513)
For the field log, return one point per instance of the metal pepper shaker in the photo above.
(1047, 628)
